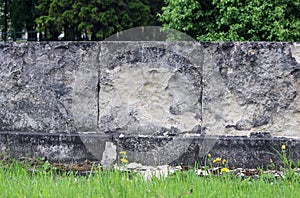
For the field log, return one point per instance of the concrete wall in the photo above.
(150, 88)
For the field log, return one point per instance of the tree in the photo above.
(22, 16)
(97, 18)
(4, 18)
(155, 9)
(46, 23)
(234, 20)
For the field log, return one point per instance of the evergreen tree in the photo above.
(22, 16)
(4, 17)
(96, 18)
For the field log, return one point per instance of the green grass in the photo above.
(17, 181)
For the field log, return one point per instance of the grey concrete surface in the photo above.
(162, 102)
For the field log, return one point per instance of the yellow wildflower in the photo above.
(209, 155)
(224, 161)
(124, 161)
(217, 160)
(283, 147)
(122, 153)
(225, 170)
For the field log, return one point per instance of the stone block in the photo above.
(48, 86)
(251, 87)
(150, 88)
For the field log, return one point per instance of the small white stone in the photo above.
(121, 135)
(134, 165)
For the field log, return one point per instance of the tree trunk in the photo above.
(95, 30)
(5, 29)
(32, 34)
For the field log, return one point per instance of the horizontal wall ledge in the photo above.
(239, 151)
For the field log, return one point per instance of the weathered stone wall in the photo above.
(38, 87)
(252, 87)
(150, 88)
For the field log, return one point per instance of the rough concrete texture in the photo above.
(250, 87)
(159, 101)
(223, 88)
(150, 88)
(48, 87)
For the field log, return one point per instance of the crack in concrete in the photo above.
(98, 85)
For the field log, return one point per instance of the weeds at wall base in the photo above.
(41, 178)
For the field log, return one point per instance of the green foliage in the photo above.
(17, 181)
(4, 17)
(22, 14)
(234, 20)
(17, 15)
(98, 18)
(207, 20)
